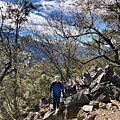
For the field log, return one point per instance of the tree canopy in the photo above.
(71, 43)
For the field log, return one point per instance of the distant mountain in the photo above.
(85, 51)
(37, 55)
(47, 7)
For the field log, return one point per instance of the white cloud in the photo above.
(2, 6)
(37, 19)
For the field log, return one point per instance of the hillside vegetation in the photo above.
(70, 42)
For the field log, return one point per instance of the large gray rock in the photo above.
(109, 72)
(95, 71)
(104, 92)
(116, 80)
(80, 81)
(101, 78)
(98, 92)
(87, 78)
(87, 108)
(102, 85)
(105, 86)
(81, 99)
(68, 101)
(54, 116)
(72, 109)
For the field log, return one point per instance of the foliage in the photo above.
(85, 39)
(94, 24)
(12, 17)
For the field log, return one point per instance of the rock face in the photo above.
(96, 84)
(106, 86)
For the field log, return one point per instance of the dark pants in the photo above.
(56, 102)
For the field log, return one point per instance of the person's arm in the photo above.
(51, 85)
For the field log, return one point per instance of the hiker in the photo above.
(56, 88)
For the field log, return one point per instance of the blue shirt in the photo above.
(56, 88)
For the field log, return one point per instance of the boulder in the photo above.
(101, 84)
(70, 103)
(87, 108)
(81, 99)
(87, 78)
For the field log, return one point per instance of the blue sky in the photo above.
(48, 7)
(38, 18)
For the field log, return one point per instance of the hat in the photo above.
(57, 77)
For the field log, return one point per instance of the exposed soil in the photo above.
(103, 114)
(108, 111)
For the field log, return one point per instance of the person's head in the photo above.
(57, 78)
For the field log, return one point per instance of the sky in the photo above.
(48, 6)
(38, 18)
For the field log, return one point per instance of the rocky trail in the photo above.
(93, 96)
